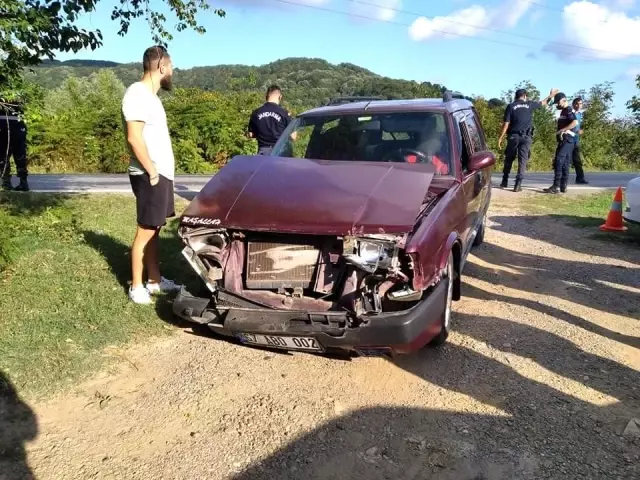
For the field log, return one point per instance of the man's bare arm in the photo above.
(139, 147)
(552, 92)
(505, 127)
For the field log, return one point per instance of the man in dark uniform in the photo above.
(518, 124)
(267, 122)
(566, 141)
(13, 143)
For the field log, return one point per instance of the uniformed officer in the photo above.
(13, 143)
(518, 124)
(566, 141)
(576, 157)
(267, 122)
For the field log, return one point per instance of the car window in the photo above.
(483, 139)
(475, 137)
(404, 137)
(467, 148)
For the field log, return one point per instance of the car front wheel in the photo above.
(446, 316)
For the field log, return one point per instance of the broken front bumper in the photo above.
(393, 332)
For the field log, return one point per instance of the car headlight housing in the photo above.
(371, 254)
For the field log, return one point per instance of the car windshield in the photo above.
(415, 137)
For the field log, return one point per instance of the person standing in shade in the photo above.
(13, 143)
(151, 171)
(518, 125)
(566, 141)
(576, 157)
(267, 122)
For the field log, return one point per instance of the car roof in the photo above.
(389, 106)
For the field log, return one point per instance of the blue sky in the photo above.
(474, 46)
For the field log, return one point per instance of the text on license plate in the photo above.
(299, 343)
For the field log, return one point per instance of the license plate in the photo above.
(278, 341)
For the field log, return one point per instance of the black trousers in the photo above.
(13, 142)
(561, 163)
(576, 159)
(517, 146)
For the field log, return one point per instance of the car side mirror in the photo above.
(480, 160)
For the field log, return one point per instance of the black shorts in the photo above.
(154, 204)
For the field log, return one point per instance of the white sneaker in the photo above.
(140, 295)
(165, 286)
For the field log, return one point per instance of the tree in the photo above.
(33, 29)
(634, 103)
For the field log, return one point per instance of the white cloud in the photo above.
(597, 32)
(631, 74)
(470, 21)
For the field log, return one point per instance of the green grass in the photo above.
(64, 268)
(583, 211)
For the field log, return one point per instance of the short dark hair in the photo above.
(576, 100)
(273, 89)
(152, 57)
(521, 92)
(558, 97)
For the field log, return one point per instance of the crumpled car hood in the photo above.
(294, 195)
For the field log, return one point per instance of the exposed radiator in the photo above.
(273, 265)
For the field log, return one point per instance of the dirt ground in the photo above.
(539, 380)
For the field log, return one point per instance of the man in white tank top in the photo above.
(151, 171)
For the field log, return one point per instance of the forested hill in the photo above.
(305, 81)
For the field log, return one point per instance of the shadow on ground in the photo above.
(594, 285)
(545, 227)
(520, 428)
(31, 204)
(172, 265)
(18, 425)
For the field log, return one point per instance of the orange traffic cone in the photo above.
(614, 219)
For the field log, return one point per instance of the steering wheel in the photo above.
(403, 155)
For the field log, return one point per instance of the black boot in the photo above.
(552, 189)
(6, 183)
(518, 186)
(581, 181)
(563, 189)
(23, 186)
(505, 181)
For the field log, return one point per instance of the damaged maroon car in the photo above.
(350, 237)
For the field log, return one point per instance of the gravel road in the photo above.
(539, 380)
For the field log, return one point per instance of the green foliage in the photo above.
(306, 82)
(33, 29)
(81, 127)
(63, 278)
(77, 126)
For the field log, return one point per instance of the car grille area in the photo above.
(274, 265)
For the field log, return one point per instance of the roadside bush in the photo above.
(78, 126)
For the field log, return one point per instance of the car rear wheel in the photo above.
(446, 316)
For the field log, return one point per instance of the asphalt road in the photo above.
(189, 185)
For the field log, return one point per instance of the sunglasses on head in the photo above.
(163, 51)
